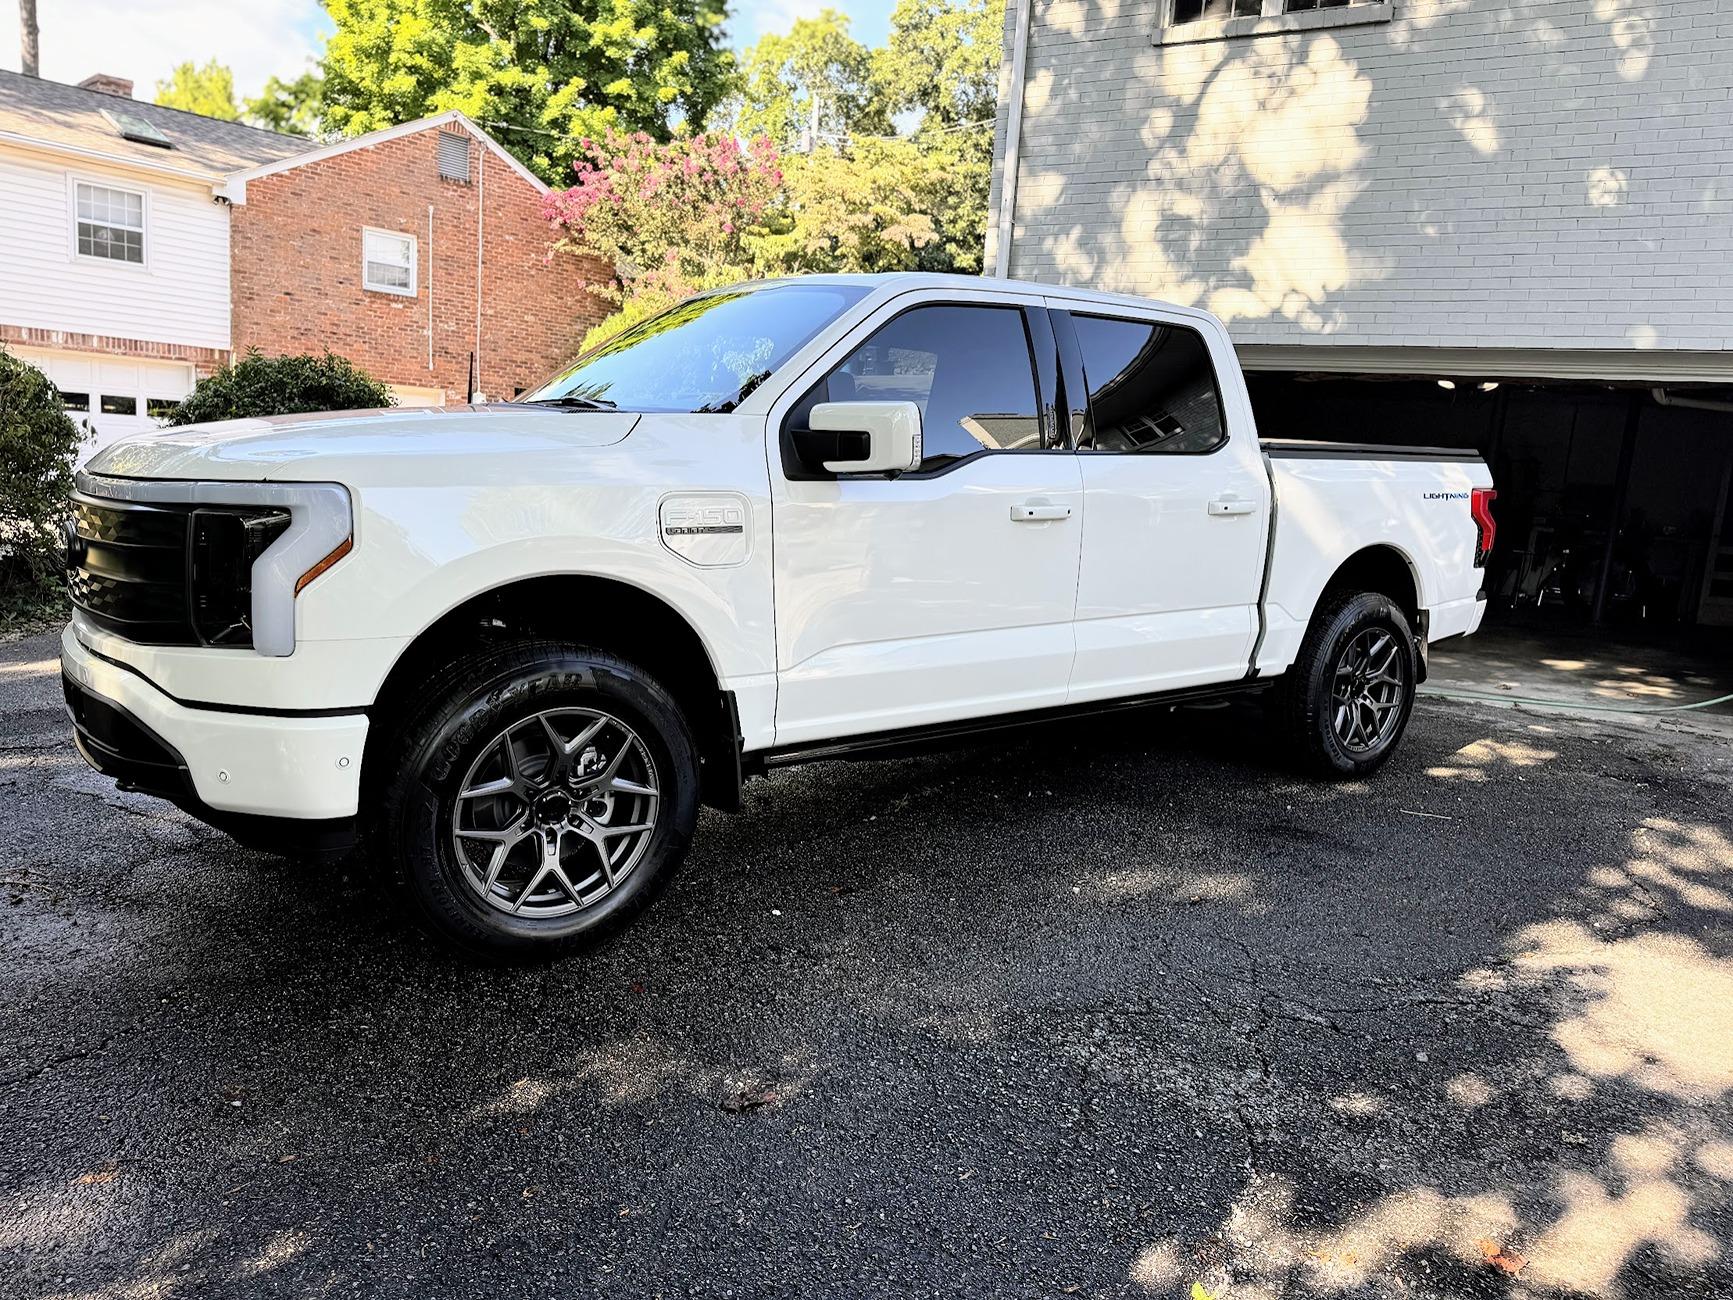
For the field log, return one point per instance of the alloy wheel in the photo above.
(555, 812)
(1367, 692)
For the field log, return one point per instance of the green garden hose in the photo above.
(1476, 696)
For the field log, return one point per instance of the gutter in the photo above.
(213, 179)
(1007, 218)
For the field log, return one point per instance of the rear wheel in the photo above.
(1345, 703)
(545, 794)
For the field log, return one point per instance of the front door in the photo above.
(947, 592)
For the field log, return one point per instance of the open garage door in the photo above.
(115, 396)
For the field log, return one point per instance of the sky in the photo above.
(144, 39)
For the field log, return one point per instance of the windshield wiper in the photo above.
(572, 402)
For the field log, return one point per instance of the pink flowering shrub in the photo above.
(669, 216)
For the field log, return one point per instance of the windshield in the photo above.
(704, 354)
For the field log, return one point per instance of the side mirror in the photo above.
(861, 437)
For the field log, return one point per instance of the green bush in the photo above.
(38, 442)
(260, 385)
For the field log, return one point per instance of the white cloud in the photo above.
(144, 39)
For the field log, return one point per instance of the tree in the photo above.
(942, 62)
(670, 217)
(260, 385)
(943, 59)
(543, 75)
(817, 78)
(38, 441)
(866, 209)
(207, 90)
(293, 107)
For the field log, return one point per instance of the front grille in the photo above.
(167, 574)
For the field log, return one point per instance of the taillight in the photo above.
(1486, 527)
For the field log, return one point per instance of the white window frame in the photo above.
(414, 262)
(73, 181)
(1271, 22)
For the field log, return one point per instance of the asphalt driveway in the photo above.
(1111, 1010)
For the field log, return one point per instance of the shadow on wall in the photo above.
(1256, 198)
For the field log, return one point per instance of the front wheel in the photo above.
(544, 795)
(1346, 701)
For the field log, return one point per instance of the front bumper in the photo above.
(224, 766)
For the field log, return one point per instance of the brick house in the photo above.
(1507, 226)
(146, 246)
(416, 252)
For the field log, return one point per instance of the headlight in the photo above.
(244, 552)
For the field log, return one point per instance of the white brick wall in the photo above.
(1528, 173)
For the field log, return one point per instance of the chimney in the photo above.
(107, 84)
(30, 39)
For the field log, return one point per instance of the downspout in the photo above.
(480, 214)
(430, 287)
(1007, 217)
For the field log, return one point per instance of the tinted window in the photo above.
(704, 354)
(1151, 387)
(968, 370)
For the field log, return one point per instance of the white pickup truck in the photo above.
(515, 646)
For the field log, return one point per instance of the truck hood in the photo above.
(397, 445)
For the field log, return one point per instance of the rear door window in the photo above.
(1151, 387)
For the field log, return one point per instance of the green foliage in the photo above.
(260, 385)
(670, 217)
(38, 442)
(209, 90)
(293, 107)
(816, 60)
(942, 58)
(869, 209)
(542, 75)
(703, 211)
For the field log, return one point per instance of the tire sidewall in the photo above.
(1348, 620)
(458, 731)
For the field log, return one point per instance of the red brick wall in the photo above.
(296, 255)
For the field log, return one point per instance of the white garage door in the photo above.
(115, 397)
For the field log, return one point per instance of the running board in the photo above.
(905, 740)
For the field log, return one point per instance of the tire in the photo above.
(1333, 739)
(618, 807)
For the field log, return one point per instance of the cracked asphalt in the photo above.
(1122, 1009)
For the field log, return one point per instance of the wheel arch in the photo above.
(1383, 568)
(641, 626)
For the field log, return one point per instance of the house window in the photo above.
(388, 262)
(1189, 11)
(109, 223)
(1194, 20)
(454, 156)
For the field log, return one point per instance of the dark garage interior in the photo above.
(1615, 503)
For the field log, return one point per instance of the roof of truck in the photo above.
(904, 281)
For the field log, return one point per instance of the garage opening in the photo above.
(1615, 508)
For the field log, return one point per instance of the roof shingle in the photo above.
(58, 114)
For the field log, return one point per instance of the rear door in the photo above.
(1177, 499)
(947, 592)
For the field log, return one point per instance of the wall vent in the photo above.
(454, 156)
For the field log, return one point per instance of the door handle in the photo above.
(1231, 506)
(1035, 511)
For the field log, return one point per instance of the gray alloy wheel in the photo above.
(1367, 690)
(555, 812)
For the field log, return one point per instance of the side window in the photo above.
(967, 368)
(1151, 387)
